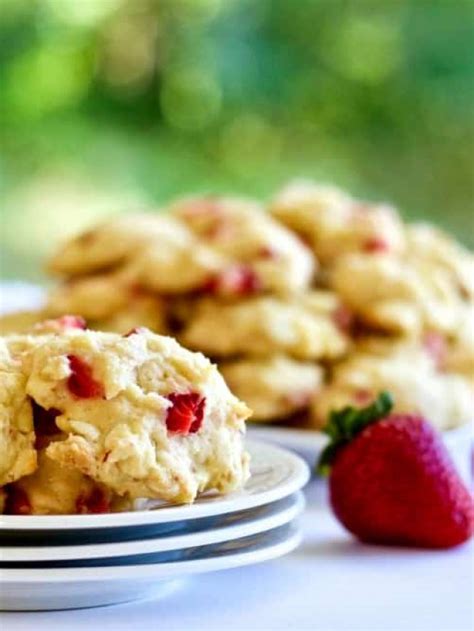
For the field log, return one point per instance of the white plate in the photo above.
(309, 443)
(69, 588)
(278, 514)
(275, 473)
(305, 442)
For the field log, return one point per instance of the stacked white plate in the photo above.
(63, 562)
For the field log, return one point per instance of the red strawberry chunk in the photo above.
(238, 280)
(186, 414)
(81, 382)
(17, 502)
(376, 244)
(95, 503)
(72, 322)
(436, 346)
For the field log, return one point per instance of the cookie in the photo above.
(397, 294)
(274, 387)
(143, 310)
(428, 243)
(95, 297)
(409, 374)
(142, 415)
(262, 326)
(110, 244)
(154, 251)
(266, 255)
(138, 414)
(457, 355)
(333, 223)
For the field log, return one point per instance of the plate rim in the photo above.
(169, 513)
(157, 571)
(19, 554)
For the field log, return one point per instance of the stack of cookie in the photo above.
(410, 292)
(317, 301)
(93, 422)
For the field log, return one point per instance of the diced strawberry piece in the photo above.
(376, 244)
(17, 502)
(240, 280)
(343, 318)
(95, 503)
(187, 413)
(81, 382)
(435, 345)
(72, 322)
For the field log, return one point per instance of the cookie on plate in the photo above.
(431, 244)
(94, 296)
(333, 223)
(110, 243)
(153, 251)
(403, 295)
(138, 414)
(409, 373)
(274, 387)
(143, 416)
(262, 325)
(267, 256)
(144, 310)
(457, 355)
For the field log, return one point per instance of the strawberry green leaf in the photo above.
(343, 425)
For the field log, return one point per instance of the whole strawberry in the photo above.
(391, 479)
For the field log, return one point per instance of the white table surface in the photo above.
(330, 583)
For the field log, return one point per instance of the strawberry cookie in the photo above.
(409, 372)
(262, 326)
(428, 243)
(274, 387)
(333, 223)
(154, 251)
(94, 296)
(137, 415)
(458, 353)
(266, 256)
(399, 295)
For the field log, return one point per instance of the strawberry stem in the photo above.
(343, 425)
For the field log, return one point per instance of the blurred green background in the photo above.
(109, 105)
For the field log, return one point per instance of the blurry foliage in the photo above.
(108, 105)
